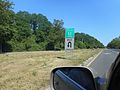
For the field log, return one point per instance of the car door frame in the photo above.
(113, 70)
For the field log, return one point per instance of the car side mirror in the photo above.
(72, 78)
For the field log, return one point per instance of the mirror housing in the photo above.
(72, 78)
(101, 83)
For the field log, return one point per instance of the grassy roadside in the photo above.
(31, 70)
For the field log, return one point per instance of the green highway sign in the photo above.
(69, 39)
(69, 33)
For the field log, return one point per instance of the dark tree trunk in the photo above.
(0, 47)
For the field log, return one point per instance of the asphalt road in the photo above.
(101, 65)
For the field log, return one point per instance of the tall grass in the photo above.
(31, 70)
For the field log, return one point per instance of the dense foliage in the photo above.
(115, 43)
(23, 31)
(83, 40)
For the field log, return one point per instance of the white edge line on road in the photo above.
(86, 65)
(94, 58)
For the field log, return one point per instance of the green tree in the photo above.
(28, 32)
(6, 24)
(25, 29)
(40, 22)
(83, 40)
(56, 36)
(115, 43)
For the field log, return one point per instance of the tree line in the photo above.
(115, 43)
(23, 31)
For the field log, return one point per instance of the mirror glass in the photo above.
(73, 78)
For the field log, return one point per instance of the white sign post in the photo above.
(69, 43)
(69, 39)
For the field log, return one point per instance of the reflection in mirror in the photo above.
(73, 78)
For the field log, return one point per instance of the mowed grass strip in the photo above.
(31, 70)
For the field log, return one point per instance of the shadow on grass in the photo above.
(61, 57)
